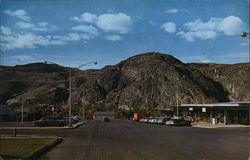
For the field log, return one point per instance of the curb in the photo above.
(200, 126)
(46, 128)
(78, 125)
(206, 127)
(39, 152)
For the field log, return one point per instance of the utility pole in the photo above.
(177, 105)
(70, 124)
(83, 111)
(244, 35)
(22, 110)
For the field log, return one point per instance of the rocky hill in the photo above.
(146, 80)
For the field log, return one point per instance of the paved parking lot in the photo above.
(123, 140)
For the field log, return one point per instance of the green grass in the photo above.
(22, 147)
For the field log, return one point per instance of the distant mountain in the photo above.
(150, 79)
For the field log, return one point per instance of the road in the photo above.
(129, 140)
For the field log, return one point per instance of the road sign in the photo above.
(203, 109)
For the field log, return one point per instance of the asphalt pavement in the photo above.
(129, 140)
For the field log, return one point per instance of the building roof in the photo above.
(104, 114)
(223, 104)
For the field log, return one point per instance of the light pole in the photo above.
(244, 35)
(83, 111)
(22, 111)
(70, 88)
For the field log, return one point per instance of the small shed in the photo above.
(102, 115)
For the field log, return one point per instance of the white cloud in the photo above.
(25, 25)
(5, 30)
(21, 14)
(205, 60)
(120, 23)
(191, 36)
(211, 29)
(169, 27)
(114, 38)
(72, 37)
(41, 26)
(88, 29)
(21, 41)
(199, 25)
(231, 26)
(28, 40)
(175, 11)
(85, 17)
(10, 40)
(172, 11)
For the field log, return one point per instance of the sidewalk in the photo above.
(210, 125)
(65, 127)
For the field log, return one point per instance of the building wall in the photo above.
(97, 117)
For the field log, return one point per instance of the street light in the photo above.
(244, 35)
(83, 112)
(69, 101)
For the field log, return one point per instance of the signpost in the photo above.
(203, 109)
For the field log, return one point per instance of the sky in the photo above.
(72, 33)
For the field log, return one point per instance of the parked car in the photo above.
(144, 120)
(73, 121)
(178, 122)
(105, 119)
(162, 120)
(43, 122)
(151, 120)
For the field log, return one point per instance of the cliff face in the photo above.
(146, 80)
(234, 78)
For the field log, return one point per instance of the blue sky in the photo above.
(72, 33)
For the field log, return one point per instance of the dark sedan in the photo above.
(44, 122)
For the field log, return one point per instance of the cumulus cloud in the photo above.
(85, 17)
(119, 23)
(211, 29)
(84, 28)
(114, 38)
(169, 27)
(72, 37)
(5, 30)
(10, 40)
(21, 14)
(41, 26)
(191, 36)
(25, 25)
(231, 25)
(172, 11)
